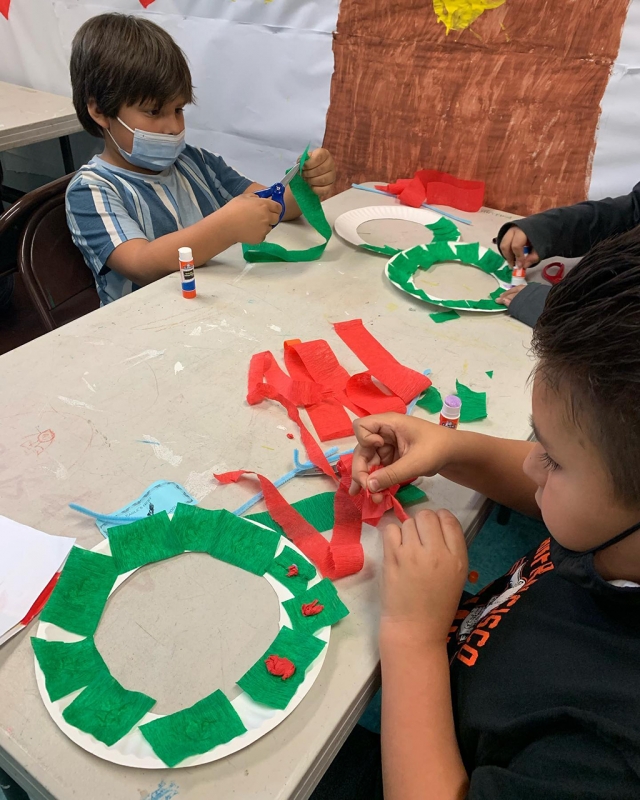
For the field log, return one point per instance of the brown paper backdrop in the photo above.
(513, 101)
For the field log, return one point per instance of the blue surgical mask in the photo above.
(154, 151)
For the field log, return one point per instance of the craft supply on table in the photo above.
(30, 562)
(117, 724)
(437, 188)
(347, 225)
(276, 191)
(447, 214)
(474, 404)
(312, 211)
(450, 412)
(519, 273)
(402, 268)
(553, 272)
(187, 272)
(160, 496)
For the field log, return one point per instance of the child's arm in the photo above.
(246, 218)
(424, 570)
(570, 231)
(409, 447)
(319, 172)
(525, 303)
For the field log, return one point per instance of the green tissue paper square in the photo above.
(78, 600)
(271, 690)
(326, 595)
(107, 710)
(431, 401)
(142, 542)
(444, 316)
(194, 730)
(474, 404)
(225, 536)
(410, 494)
(296, 584)
(317, 510)
(68, 667)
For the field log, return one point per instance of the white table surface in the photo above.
(187, 626)
(28, 116)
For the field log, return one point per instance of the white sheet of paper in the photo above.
(28, 560)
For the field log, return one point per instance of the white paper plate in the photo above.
(133, 750)
(348, 223)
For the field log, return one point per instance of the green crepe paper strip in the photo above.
(78, 600)
(195, 730)
(409, 495)
(226, 537)
(263, 687)
(68, 667)
(443, 231)
(431, 401)
(296, 584)
(403, 266)
(326, 595)
(489, 373)
(143, 542)
(474, 404)
(312, 211)
(444, 316)
(107, 710)
(317, 510)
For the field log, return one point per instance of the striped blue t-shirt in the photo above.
(108, 205)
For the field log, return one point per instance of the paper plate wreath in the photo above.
(402, 267)
(115, 723)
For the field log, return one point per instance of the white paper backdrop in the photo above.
(262, 70)
(616, 162)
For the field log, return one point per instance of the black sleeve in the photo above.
(573, 230)
(560, 766)
(527, 305)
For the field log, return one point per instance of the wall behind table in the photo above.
(262, 71)
(514, 99)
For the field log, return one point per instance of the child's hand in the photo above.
(512, 248)
(250, 218)
(506, 298)
(407, 447)
(320, 172)
(423, 574)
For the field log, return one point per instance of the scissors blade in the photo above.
(291, 174)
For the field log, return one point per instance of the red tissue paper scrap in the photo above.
(437, 188)
(343, 555)
(317, 382)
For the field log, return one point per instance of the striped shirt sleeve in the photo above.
(98, 220)
(226, 179)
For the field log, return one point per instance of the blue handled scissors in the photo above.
(276, 192)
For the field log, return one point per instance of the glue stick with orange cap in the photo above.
(187, 272)
(450, 412)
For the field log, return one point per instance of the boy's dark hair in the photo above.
(117, 60)
(588, 344)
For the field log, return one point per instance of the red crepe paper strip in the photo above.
(146, 3)
(344, 554)
(41, 600)
(280, 667)
(363, 392)
(403, 381)
(4, 8)
(258, 390)
(437, 188)
(311, 609)
(293, 571)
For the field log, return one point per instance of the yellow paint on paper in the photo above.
(392, 307)
(456, 15)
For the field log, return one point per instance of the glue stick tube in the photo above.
(450, 413)
(518, 274)
(187, 272)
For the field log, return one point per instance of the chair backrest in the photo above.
(59, 282)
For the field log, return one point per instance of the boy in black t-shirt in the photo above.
(529, 690)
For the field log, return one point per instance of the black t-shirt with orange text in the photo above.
(547, 700)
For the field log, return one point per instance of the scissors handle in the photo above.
(554, 272)
(275, 192)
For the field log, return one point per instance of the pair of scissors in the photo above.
(553, 272)
(276, 192)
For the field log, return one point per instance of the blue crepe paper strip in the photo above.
(424, 205)
(412, 404)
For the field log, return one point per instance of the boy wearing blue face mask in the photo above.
(149, 193)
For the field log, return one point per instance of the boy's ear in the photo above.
(96, 115)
